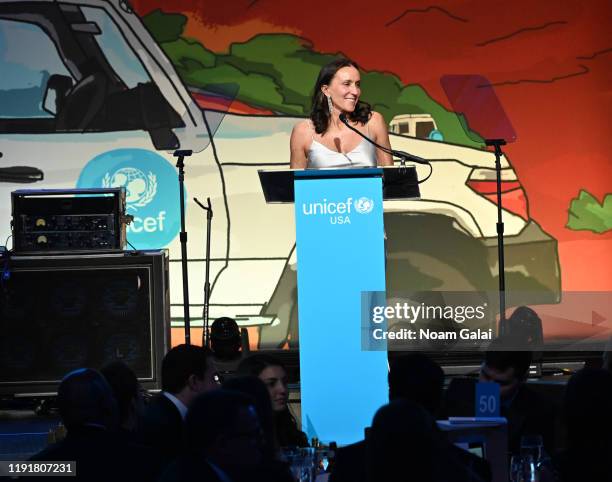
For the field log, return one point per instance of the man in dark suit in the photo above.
(527, 412)
(186, 372)
(415, 378)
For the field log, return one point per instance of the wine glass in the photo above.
(523, 469)
(532, 445)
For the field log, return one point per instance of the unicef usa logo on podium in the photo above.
(338, 212)
(151, 188)
(364, 205)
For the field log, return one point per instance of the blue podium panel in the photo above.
(340, 253)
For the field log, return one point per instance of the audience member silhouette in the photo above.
(588, 417)
(418, 379)
(127, 392)
(223, 440)
(256, 389)
(89, 412)
(528, 413)
(186, 373)
(272, 372)
(403, 445)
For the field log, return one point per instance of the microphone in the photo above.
(404, 156)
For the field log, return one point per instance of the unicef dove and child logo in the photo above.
(339, 212)
(140, 189)
(364, 205)
(151, 189)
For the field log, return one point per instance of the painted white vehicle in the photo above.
(88, 97)
(413, 125)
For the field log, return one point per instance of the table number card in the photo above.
(487, 400)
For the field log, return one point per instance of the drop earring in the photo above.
(330, 106)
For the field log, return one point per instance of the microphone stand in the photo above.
(205, 315)
(497, 143)
(180, 155)
(404, 156)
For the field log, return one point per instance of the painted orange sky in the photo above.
(550, 62)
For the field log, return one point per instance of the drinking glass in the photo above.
(532, 445)
(523, 469)
(322, 457)
(301, 462)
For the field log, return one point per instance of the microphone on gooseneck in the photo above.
(404, 156)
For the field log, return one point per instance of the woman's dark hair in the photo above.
(287, 431)
(255, 364)
(124, 384)
(320, 111)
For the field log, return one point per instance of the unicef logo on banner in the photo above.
(364, 205)
(151, 188)
(140, 189)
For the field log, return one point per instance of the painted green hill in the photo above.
(278, 71)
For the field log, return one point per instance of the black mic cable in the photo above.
(404, 156)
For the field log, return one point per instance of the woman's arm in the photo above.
(298, 145)
(378, 130)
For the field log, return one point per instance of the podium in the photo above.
(340, 243)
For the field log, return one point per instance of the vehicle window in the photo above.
(70, 69)
(404, 128)
(423, 129)
(118, 53)
(25, 72)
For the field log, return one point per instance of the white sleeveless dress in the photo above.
(320, 156)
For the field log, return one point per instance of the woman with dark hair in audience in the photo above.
(272, 372)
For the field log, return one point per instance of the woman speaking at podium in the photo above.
(324, 140)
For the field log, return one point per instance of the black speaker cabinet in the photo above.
(59, 313)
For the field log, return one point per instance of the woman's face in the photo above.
(344, 89)
(275, 379)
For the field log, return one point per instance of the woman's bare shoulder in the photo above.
(303, 127)
(377, 122)
(376, 118)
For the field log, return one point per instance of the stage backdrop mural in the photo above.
(100, 94)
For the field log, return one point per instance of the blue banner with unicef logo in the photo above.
(340, 254)
(152, 192)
